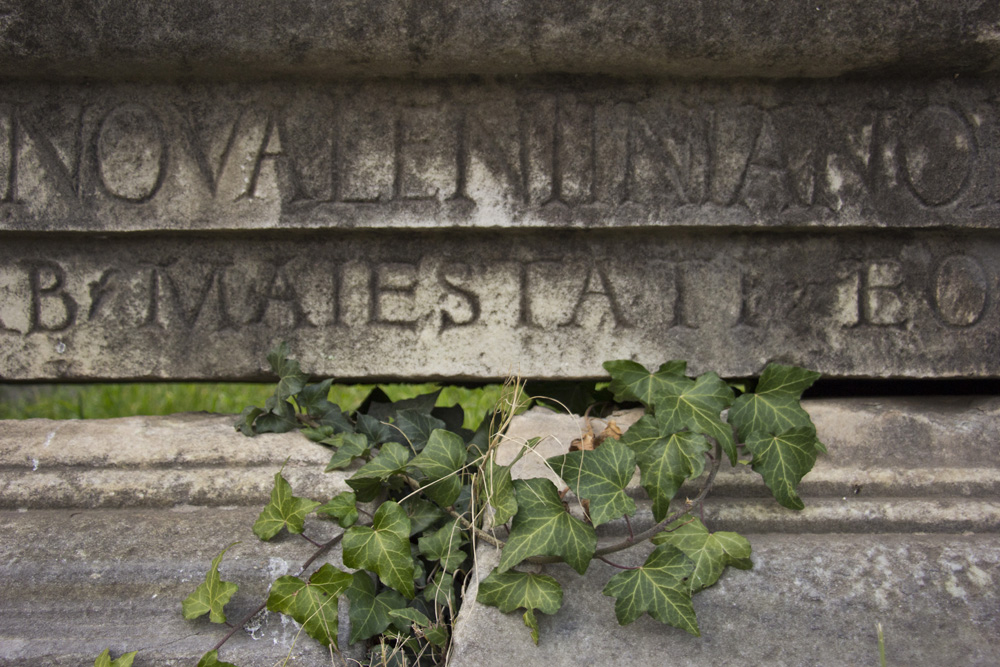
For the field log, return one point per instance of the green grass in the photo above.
(105, 401)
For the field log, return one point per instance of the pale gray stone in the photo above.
(481, 306)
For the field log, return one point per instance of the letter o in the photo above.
(961, 291)
(937, 153)
(131, 153)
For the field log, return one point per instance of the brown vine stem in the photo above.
(305, 566)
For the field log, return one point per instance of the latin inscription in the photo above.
(499, 156)
(849, 304)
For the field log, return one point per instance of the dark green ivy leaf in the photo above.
(440, 462)
(279, 417)
(314, 400)
(600, 476)
(348, 447)
(124, 660)
(291, 379)
(441, 591)
(376, 431)
(369, 613)
(245, 422)
(384, 548)
(391, 460)
(343, 507)
(416, 427)
(710, 552)
(666, 458)
(774, 406)
(697, 404)
(543, 527)
(284, 510)
(422, 626)
(498, 490)
(313, 605)
(211, 595)
(445, 545)
(211, 659)
(659, 588)
(423, 514)
(783, 460)
(512, 590)
(631, 381)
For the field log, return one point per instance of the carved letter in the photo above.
(468, 299)
(398, 279)
(131, 153)
(878, 300)
(55, 280)
(603, 290)
(270, 149)
(281, 289)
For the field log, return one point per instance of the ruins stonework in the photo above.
(387, 230)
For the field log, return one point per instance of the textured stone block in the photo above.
(485, 304)
(350, 38)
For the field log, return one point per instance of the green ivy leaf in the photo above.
(512, 590)
(666, 458)
(774, 406)
(291, 379)
(697, 405)
(498, 490)
(211, 659)
(631, 381)
(384, 548)
(445, 545)
(600, 476)
(659, 588)
(440, 462)
(422, 513)
(369, 613)
(245, 422)
(422, 626)
(314, 399)
(376, 431)
(391, 460)
(416, 427)
(543, 527)
(279, 417)
(284, 510)
(783, 460)
(313, 605)
(441, 591)
(349, 446)
(710, 552)
(343, 507)
(211, 595)
(124, 660)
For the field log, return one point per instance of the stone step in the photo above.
(811, 599)
(692, 38)
(108, 525)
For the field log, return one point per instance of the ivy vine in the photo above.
(426, 491)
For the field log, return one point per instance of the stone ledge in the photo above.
(810, 599)
(191, 39)
(76, 583)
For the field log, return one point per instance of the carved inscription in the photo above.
(500, 155)
(849, 304)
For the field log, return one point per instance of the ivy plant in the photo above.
(425, 491)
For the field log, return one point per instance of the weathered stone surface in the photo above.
(249, 38)
(77, 582)
(810, 599)
(901, 527)
(485, 304)
(152, 462)
(548, 153)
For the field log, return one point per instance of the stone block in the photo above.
(361, 38)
